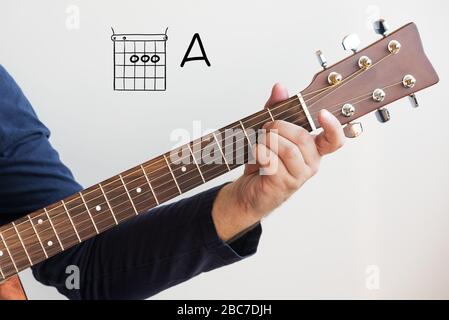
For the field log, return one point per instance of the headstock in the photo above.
(390, 69)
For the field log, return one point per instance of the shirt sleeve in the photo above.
(168, 245)
(32, 175)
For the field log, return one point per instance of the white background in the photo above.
(382, 200)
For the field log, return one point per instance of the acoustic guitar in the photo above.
(394, 67)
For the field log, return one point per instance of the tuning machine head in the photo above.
(351, 42)
(413, 100)
(321, 59)
(383, 115)
(353, 130)
(381, 27)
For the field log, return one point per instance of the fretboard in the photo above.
(62, 225)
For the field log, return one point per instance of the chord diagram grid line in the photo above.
(139, 62)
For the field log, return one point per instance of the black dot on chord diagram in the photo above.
(145, 58)
(134, 58)
(155, 58)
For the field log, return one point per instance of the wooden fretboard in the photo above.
(46, 232)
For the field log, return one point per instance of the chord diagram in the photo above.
(140, 62)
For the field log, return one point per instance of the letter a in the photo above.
(203, 56)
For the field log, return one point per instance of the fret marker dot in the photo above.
(50, 243)
(98, 208)
(40, 221)
(183, 169)
(138, 190)
(1, 253)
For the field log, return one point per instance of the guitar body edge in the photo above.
(12, 289)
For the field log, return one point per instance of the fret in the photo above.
(37, 235)
(63, 227)
(8, 266)
(129, 196)
(256, 122)
(99, 208)
(118, 199)
(21, 242)
(207, 151)
(221, 151)
(286, 109)
(54, 230)
(29, 239)
(15, 248)
(2, 274)
(158, 172)
(149, 184)
(4, 249)
(196, 163)
(138, 189)
(71, 221)
(46, 233)
(88, 212)
(80, 217)
(174, 179)
(246, 135)
(291, 111)
(235, 142)
(306, 112)
(185, 171)
(97, 205)
(271, 115)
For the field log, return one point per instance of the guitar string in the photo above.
(17, 261)
(355, 77)
(327, 88)
(24, 259)
(136, 204)
(98, 222)
(344, 82)
(145, 166)
(74, 216)
(145, 193)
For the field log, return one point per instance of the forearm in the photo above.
(232, 218)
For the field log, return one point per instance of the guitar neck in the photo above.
(58, 227)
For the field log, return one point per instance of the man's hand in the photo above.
(288, 156)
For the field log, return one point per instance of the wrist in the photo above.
(231, 216)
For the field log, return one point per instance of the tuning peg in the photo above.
(383, 115)
(353, 130)
(381, 27)
(321, 59)
(351, 42)
(414, 100)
